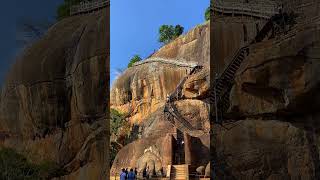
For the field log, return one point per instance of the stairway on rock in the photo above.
(219, 95)
(179, 172)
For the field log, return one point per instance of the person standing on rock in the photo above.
(131, 175)
(123, 175)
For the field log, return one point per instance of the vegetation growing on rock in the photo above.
(207, 14)
(134, 59)
(15, 166)
(122, 132)
(167, 33)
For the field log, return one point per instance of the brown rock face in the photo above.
(284, 83)
(141, 91)
(257, 149)
(54, 100)
(194, 46)
(197, 86)
(152, 152)
(273, 133)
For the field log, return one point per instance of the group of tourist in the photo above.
(132, 174)
(126, 175)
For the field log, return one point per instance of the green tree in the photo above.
(207, 14)
(167, 33)
(63, 11)
(14, 165)
(178, 30)
(117, 120)
(134, 59)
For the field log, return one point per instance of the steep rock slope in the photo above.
(54, 100)
(194, 46)
(144, 88)
(273, 132)
(141, 92)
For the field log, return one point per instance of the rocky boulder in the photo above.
(194, 46)
(141, 92)
(200, 170)
(273, 130)
(54, 100)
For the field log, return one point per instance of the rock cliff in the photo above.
(144, 88)
(53, 104)
(141, 93)
(272, 132)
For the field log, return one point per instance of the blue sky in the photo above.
(11, 13)
(135, 24)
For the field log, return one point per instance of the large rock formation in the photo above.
(273, 132)
(143, 88)
(53, 105)
(141, 92)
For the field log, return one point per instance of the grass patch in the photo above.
(15, 166)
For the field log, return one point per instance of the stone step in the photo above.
(178, 174)
(178, 177)
(179, 170)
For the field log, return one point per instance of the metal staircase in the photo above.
(88, 6)
(223, 84)
(171, 112)
(219, 94)
(263, 10)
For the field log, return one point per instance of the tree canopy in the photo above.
(207, 14)
(14, 165)
(167, 33)
(134, 59)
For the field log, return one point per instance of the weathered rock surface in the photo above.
(194, 46)
(200, 170)
(141, 91)
(274, 102)
(159, 132)
(137, 154)
(207, 170)
(54, 100)
(258, 149)
(197, 85)
(285, 82)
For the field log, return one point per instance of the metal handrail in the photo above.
(255, 9)
(232, 59)
(88, 6)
